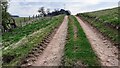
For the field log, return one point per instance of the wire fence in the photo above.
(22, 21)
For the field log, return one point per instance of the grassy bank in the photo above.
(78, 49)
(32, 39)
(108, 15)
(106, 21)
(15, 35)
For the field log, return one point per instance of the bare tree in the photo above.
(48, 10)
(42, 11)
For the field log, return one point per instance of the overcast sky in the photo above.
(30, 7)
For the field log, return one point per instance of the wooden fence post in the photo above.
(24, 19)
(33, 16)
(29, 17)
(21, 23)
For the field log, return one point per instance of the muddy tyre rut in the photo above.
(38, 50)
(50, 51)
(105, 50)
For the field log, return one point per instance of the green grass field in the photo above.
(18, 33)
(40, 29)
(18, 20)
(109, 17)
(78, 49)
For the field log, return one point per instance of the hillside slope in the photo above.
(105, 21)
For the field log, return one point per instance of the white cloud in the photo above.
(30, 7)
(90, 1)
(78, 8)
(15, 8)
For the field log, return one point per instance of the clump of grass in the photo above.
(78, 49)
